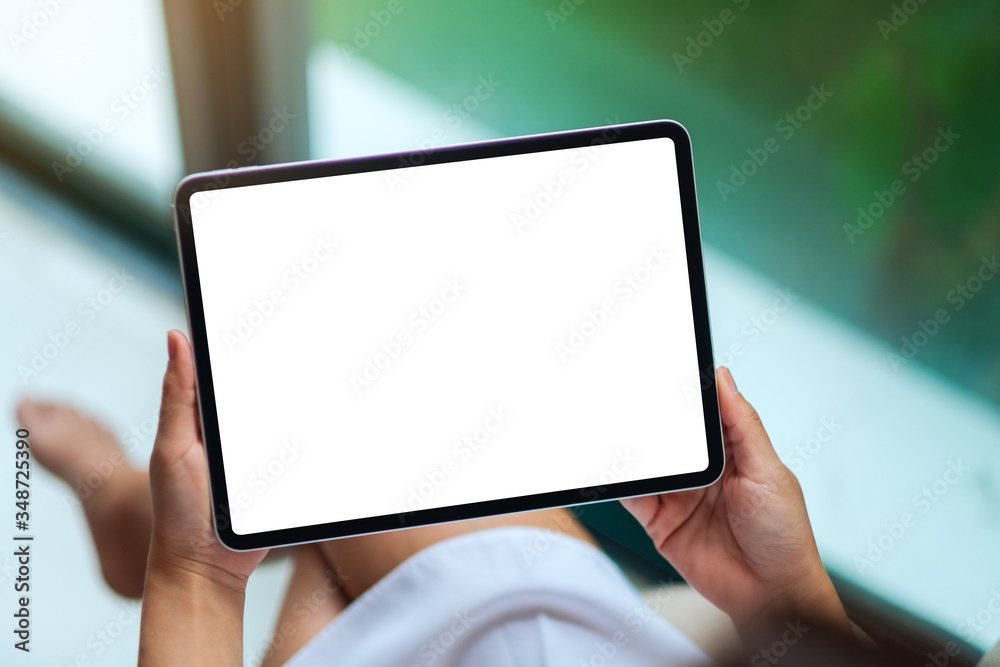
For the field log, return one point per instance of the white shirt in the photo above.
(504, 597)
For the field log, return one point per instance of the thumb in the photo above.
(753, 454)
(178, 408)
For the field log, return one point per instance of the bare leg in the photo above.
(314, 598)
(114, 494)
(361, 561)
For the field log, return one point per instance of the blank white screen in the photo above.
(507, 256)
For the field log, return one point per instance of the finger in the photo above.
(178, 408)
(655, 516)
(642, 508)
(752, 451)
(663, 514)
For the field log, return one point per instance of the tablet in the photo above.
(445, 334)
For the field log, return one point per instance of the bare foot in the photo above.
(114, 494)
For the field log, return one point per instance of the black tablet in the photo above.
(446, 334)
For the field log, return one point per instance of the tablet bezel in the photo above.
(230, 178)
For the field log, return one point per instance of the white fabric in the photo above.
(499, 598)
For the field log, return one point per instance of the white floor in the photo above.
(895, 433)
(112, 368)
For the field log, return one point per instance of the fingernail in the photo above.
(728, 377)
(171, 346)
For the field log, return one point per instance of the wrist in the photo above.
(813, 598)
(164, 568)
(190, 615)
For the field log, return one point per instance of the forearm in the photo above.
(811, 602)
(189, 620)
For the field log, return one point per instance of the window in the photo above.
(91, 84)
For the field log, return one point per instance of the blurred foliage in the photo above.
(899, 72)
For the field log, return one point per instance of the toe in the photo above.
(62, 440)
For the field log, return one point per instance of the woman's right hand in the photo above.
(745, 542)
